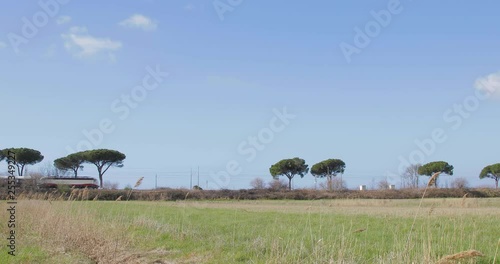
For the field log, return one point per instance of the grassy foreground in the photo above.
(324, 231)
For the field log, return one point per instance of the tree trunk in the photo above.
(496, 183)
(289, 183)
(99, 169)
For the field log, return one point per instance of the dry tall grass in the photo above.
(75, 230)
(62, 226)
(431, 182)
(449, 258)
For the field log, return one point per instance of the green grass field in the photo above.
(323, 231)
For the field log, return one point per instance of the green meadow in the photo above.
(261, 231)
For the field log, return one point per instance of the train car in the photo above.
(4, 180)
(72, 182)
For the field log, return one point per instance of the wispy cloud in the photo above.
(81, 44)
(63, 20)
(139, 21)
(489, 84)
(2, 45)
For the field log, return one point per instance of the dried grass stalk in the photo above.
(360, 230)
(432, 209)
(85, 194)
(432, 180)
(138, 183)
(463, 199)
(459, 256)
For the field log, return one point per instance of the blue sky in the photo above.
(231, 65)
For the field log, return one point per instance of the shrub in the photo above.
(278, 184)
(336, 184)
(459, 183)
(110, 185)
(258, 183)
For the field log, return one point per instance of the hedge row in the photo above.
(254, 194)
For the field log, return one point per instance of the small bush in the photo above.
(278, 184)
(258, 183)
(110, 185)
(459, 183)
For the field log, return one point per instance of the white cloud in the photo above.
(2, 45)
(81, 44)
(489, 84)
(139, 21)
(63, 20)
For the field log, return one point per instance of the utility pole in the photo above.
(199, 176)
(191, 180)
